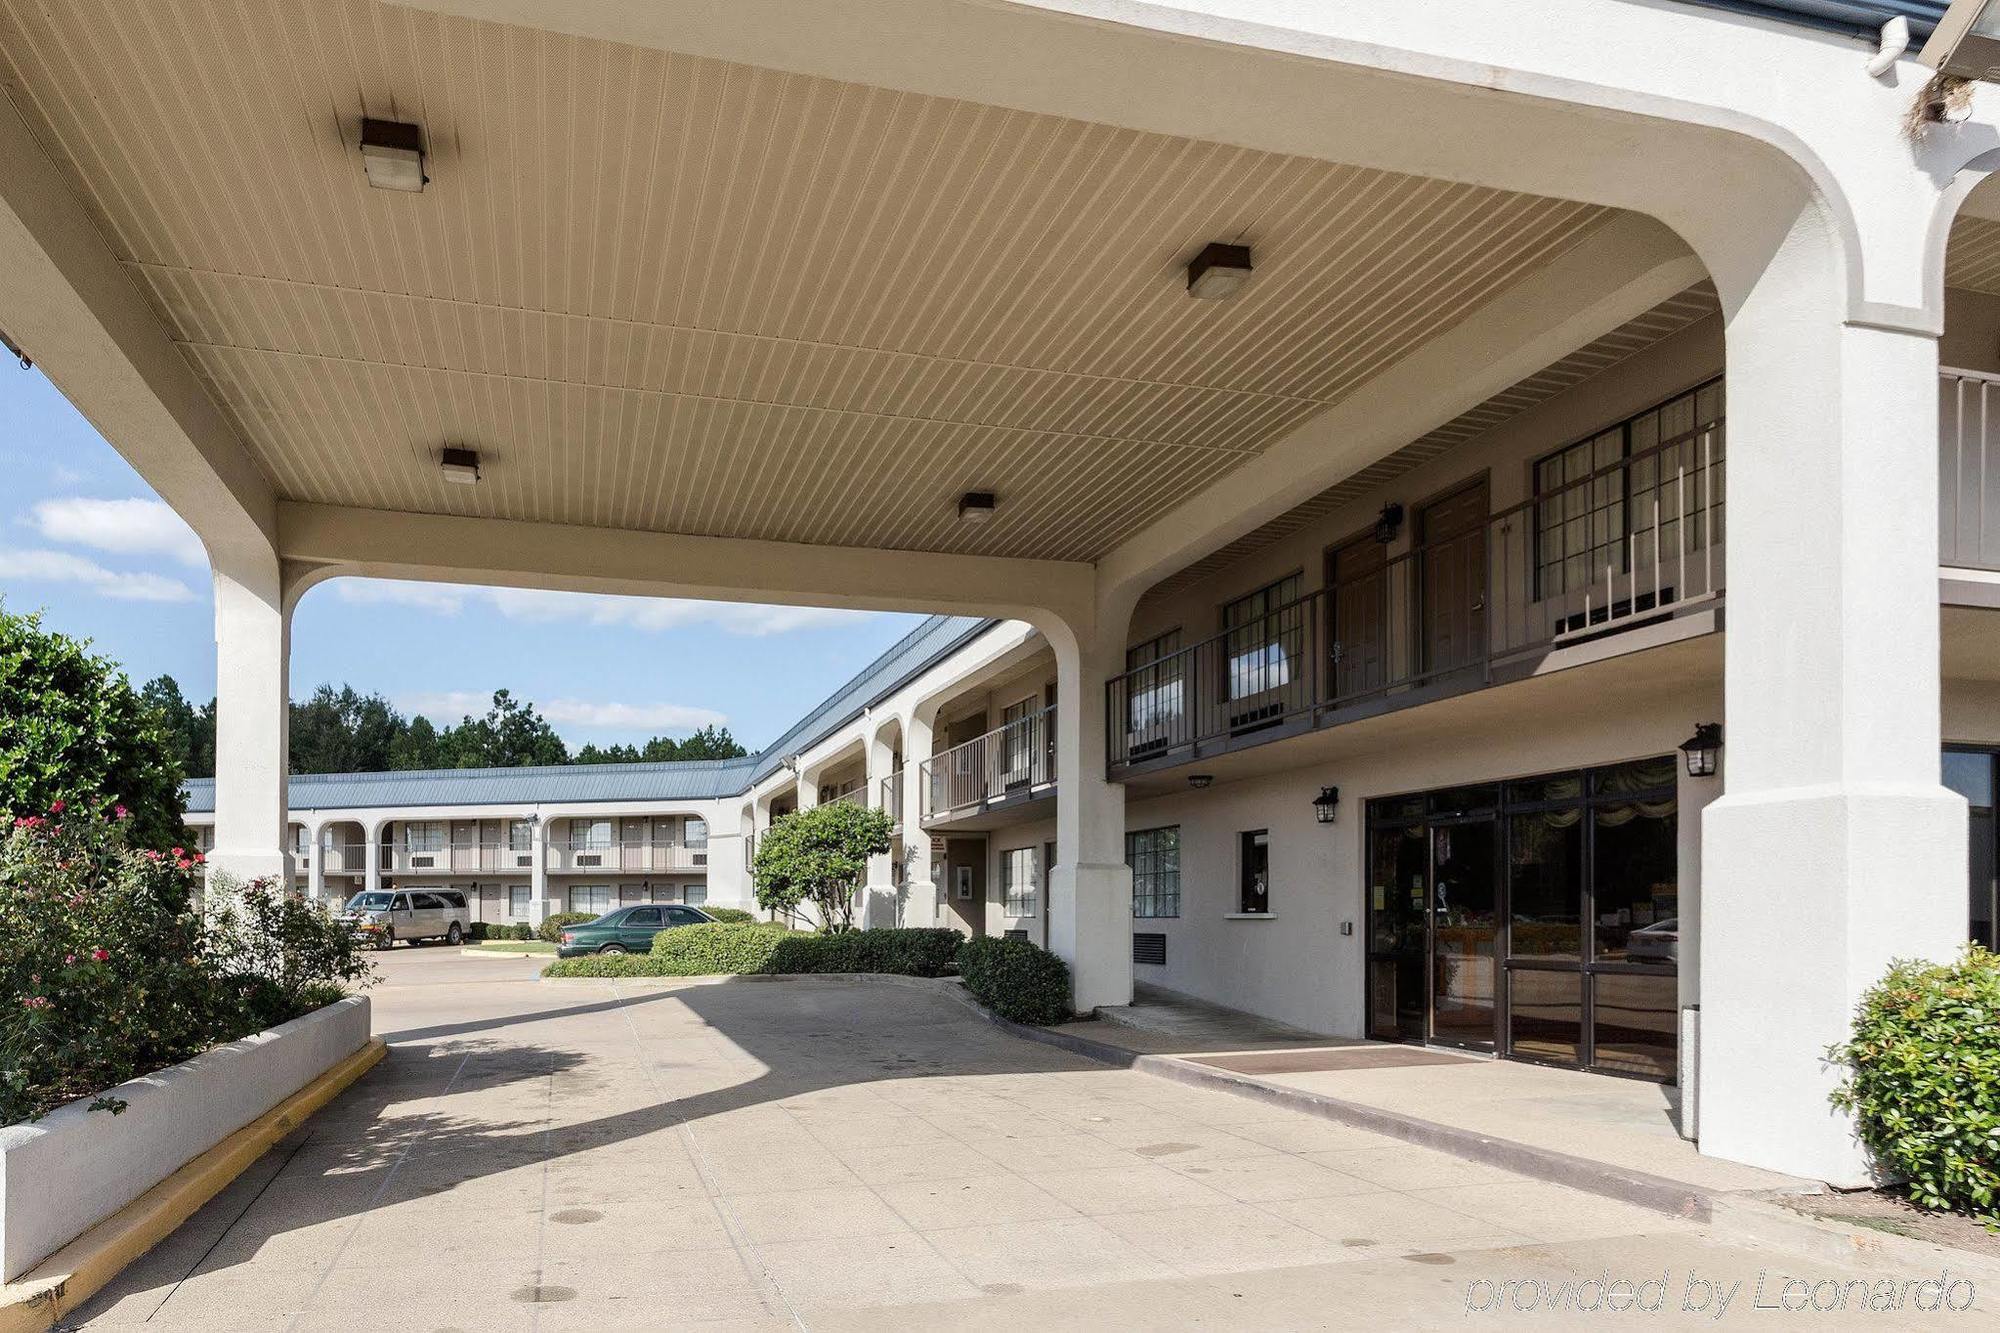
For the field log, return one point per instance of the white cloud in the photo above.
(441, 597)
(542, 607)
(631, 717)
(123, 527)
(448, 706)
(64, 567)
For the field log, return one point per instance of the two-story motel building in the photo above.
(1351, 449)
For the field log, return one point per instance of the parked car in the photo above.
(382, 916)
(627, 929)
(1657, 943)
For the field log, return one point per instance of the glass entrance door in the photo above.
(1399, 876)
(1465, 932)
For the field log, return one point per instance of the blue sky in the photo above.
(85, 540)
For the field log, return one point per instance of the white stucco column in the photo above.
(878, 897)
(1090, 889)
(316, 861)
(538, 873)
(252, 712)
(1833, 848)
(371, 850)
(920, 907)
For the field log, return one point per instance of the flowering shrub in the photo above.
(110, 969)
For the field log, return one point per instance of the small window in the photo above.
(517, 900)
(1017, 879)
(1154, 671)
(1254, 871)
(423, 835)
(684, 916)
(1155, 857)
(520, 835)
(696, 894)
(590, 898)
(644, 916)
(590, 835)
(696, 834)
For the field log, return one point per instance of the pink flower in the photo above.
(100, 954)
(179, 852)
(55, 807)
(35, 1002)
(119, 812)
(68, 958)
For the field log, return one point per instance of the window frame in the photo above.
(1253, 845)
(1018, 898)
(1152, 845)
(1281, 622)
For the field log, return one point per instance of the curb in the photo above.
(70, 1276)
(474, 951)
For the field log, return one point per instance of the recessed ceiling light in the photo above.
(1218, 271)
(392, 153)
(460, 465)
(976, 506)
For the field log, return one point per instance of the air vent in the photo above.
(701, 858)
(590, 858)
(525, 859)
(1017, 935)
(422, 862)
(1149, 948)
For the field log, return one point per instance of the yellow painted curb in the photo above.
(81, 1268)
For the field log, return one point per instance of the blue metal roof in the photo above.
(709, 779)
(1861, 18)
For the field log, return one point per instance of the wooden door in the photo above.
(1357, 577)
(1452, 620)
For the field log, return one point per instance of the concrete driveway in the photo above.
(827, 1154)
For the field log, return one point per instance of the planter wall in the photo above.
(68, 1171)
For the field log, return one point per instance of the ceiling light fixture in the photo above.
(976, 506)
(1218, 271)
(460, 465)
(1201, 781)
(392, 153)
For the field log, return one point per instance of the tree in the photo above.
(344, 732)
(418, 747)
(190, 732)
(511, 735)
(74, 734)
(609, 754)
(711, 742)
(819, 857)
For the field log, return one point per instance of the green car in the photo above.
(627, 929)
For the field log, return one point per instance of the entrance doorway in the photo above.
(1357, 572)
(1451, 537)
(1536, 918)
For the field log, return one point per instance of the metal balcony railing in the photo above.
(629, 857)
(1968, 469)
(1015, 761)
(1633, 541)
(892, 798)
(460, 858)
(344, 858)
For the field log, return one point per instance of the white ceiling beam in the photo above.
(67, 303)
(1622, 269)
(326, 541)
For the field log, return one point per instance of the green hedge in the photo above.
(907, 952)
(734, 916)
(1924, 1079)
(703, 951)
(1016, 980)
(551, 930)
(501, 930)
(614, 965)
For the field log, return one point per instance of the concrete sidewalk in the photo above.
(820, 1153)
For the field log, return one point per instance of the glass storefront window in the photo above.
(1545, 1014)
(1635, 1027)
(1545, 884)
(1637, 883)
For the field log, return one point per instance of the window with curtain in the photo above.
(590, 898)
(423, 835)
(590, 835)
(517, 901)
(1155, 857)
(696, 834)
(520, 835)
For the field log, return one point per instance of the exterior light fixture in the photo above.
(1388, 522)
(1325, 804)
(460, 465)
(1701, 749)
(1200, 781)
(976, 506)
(13, 350)
(392, 153)
(1218, 271)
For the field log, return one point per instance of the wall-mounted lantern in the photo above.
(1325, 804)
(1702, 749)
(1388, 522)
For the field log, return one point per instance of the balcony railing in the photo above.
(1637, 540)
(855, 796)
(1013, 762)
(892, 798)
(350, 858)
(459, 858)
(1969, 469)
(629, 857)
